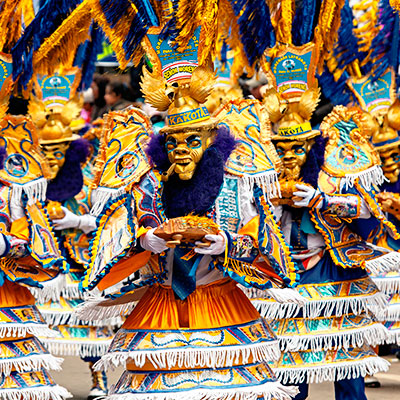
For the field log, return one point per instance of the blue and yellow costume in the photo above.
(53, 110)
(193, 333)
(330, 338)
(30, 258)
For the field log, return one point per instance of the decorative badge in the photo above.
(175, 65)
(292, 70)
(374, 94)
(55, 90)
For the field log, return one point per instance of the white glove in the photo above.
(16, 209)
(3, 245)
(215, 248)
(87, 223)
(153, 243)
(307, 193)
(70, 220)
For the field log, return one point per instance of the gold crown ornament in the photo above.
(56, 106)
(181, 86)
(293, 93)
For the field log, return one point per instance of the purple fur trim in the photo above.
(314, 162)
(3, 156)
(198, 194)
(69, 180)
(391, 187)
(224, 142)
(156, 151)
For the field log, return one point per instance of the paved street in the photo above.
(76, 378)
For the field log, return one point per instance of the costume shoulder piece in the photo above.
(349, 154)
(351, 162)
(25, 167)
(122, 160)
(254, 158)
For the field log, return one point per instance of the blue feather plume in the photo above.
(48, 18)
(346, 50)
(337, 92)
(255, 27)
(303, 22)
(385, 43)
(87, 55)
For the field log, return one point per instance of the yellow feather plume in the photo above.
(201, 84)
(154, 89)
(272, 104)
(62, 44)
(308, 102)
(72, 109)
(37, 111)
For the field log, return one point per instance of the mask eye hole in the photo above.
(280, 152)
(170, 144)
(193, 141)
(59, 155)
(299, 150)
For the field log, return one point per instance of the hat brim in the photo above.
(386, 146)
(61, 140)
(304, 136)
(208, 124)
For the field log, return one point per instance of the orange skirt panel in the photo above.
(215, 305)
(14, 295)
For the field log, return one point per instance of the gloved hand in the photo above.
(153, 243)
(3, 245)
(307, 194)
(87, 223)
(70, 220)
(215, 248)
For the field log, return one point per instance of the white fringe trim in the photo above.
(385, 263)
(209, 357)
(392, 313)
(373, 335)
(284, 295)
(393, 338)
(20, 330)
(321, 308)
(268, 182)
(55, 392)
(35, 190)
(29, 363)
(101, 196)
(51, 290)
(387, 285)
(331, 372)
(87, 349)
(91, 310)
(71, 318)
(72, 292)
(371, 176)
(266, 391)
(62, 318)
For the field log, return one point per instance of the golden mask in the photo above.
(185, 150)
(391, 163)
(55, 154)
(293, 155)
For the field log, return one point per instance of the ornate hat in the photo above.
(55, 107)
(178, 83)
(293, 94)
(377, 97)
